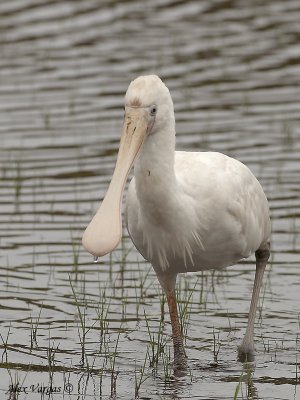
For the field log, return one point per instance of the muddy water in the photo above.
(83, 330)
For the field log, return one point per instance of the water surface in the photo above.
(233, 69)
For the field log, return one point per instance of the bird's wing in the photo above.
(230, 199)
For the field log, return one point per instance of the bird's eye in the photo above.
(153, 110)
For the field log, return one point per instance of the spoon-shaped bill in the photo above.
(104, 232)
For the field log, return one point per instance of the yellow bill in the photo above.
(104, 232)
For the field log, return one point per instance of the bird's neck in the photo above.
(155, 177)
(154, 167)
(165, 215)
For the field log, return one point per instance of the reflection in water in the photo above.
(247, 380)
(233, 71)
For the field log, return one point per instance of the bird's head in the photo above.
(148, 107)
(150, 97)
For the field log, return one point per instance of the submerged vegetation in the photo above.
(115, 331)
(84, 330)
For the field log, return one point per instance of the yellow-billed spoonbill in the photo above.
(185, 211)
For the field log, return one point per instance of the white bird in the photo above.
(185, 211)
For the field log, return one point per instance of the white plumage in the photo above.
(185, 211)
(212, 213)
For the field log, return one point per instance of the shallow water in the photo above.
(233, 69)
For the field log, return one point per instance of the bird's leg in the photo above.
(180, 362)
(246, 349)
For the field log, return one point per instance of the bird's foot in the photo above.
(180, 367)
(180, 359)
(246, 352)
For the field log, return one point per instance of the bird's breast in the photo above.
(213, 215)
